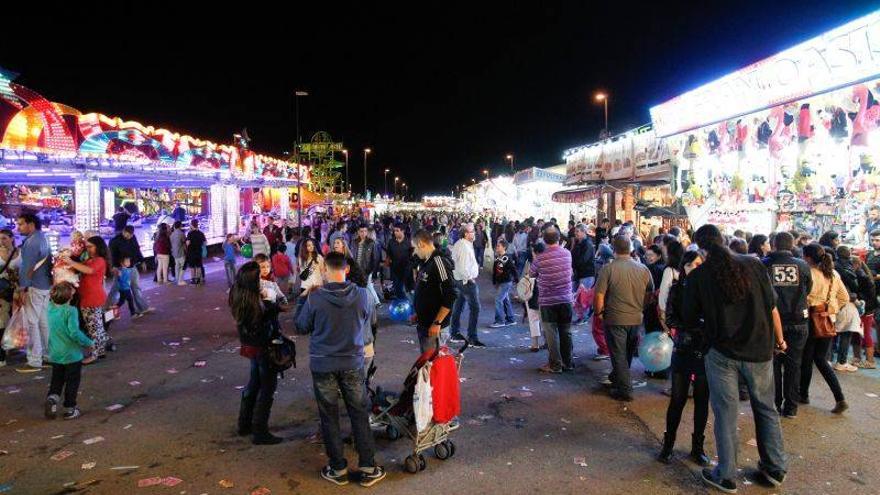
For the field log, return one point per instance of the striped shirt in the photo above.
(553, 271)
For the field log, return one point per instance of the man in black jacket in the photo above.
(125, 245)
(583, 258)
(399, 251)
(435, 292)
(792, 282)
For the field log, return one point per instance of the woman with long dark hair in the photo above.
(674, 254)
(92, 296)
(827, 289)
(687, 363)
(162, 250)
(759, 245)
(253, 318)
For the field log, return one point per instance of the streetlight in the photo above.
(385, 182)
(347, 182)
(299, 192)
(367, 151)
(604, 99)
(486, 173)
(396, 180)
(510, 159)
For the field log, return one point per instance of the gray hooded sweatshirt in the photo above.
(337, 316)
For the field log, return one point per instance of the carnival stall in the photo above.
(788, 142)
(88, 164)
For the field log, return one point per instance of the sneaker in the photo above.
(136, 316)
(338, 477)
(840, 407)
(72, 413)
(149, 309)
(497, 325)
(869, 365)
(476, 343)
(790, 414)
(550, 369)
(29, 369)
(454, 424)
(51, 409)
(370, 478)
(606, 382)
(509, 323)
(568, 369)
(601, 357)
(726, 486)
(456, 337)
(844, 367)
(774, 478)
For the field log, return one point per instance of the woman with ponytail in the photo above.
(828, 289)
(730, 297)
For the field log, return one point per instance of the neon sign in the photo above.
(840, 57)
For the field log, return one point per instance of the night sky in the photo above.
(438, 94)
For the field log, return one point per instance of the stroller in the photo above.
(395, 414)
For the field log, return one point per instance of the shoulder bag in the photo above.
(820, 319)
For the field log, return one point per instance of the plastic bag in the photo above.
(445, 394)
(15, 336)
(583, 300)
(422, 398)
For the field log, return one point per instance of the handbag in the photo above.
(16, 335)
(281, 353)
(306, 272)
(6, 289)
(820, 319)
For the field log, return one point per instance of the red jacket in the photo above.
(281, 265)
(162, 245)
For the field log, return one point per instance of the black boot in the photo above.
(665, 455)
(697, 453)
(261, 425)
(246, 415)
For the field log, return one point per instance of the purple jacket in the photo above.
(553, 271)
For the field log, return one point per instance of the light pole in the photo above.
(396, 180)
(299, 191)
(510, 159)
(385, 182)
(405, 190)
(604, 99)
(367, 151)
(486, 173)
(347, 183)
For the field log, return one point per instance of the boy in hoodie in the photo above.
(503, 278)
(337, 316)
(66, 343)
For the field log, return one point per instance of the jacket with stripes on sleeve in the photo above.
(434, 289)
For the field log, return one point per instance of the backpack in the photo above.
(673, 302)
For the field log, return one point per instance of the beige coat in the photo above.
(819, 294)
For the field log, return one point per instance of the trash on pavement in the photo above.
(752, 442)
(114, 407)
(226, 484)
(89, 465)
(200, 364)
(154, 481)
(60, 456)
(93, 440)
(581, 461)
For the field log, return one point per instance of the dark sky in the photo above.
(438, 90)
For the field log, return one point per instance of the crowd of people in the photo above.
(749, 315)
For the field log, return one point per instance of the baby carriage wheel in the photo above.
(451, 447)
(392, 433)
(442, 451)
(411, 464)
(423, 463)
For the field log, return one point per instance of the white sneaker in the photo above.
(844, 367)
(149, 309)
(601, 357)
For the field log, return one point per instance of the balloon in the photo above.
(247, 251)
(655, 351)
(400, 310)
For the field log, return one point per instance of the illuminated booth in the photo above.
(620, 176)
(788, 142)
(90, 164)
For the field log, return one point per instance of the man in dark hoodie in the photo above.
(337, 316)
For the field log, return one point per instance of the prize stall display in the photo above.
(788, 142)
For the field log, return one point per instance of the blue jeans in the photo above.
(722, 373)
(351, 384)
(556, 321)
(503, 304)
(229, 266)
(622, 343)
(470, 294)
(587, 282)
(140, 303)
(480, 253)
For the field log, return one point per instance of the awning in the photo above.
(580, 195)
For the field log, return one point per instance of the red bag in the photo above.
(445, 393)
